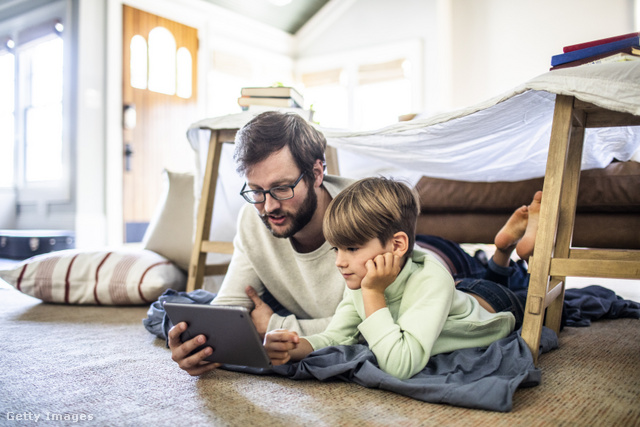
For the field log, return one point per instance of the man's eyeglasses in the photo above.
(281, 192)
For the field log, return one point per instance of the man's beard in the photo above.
(298, 219)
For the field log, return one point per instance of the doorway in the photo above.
(159, 94)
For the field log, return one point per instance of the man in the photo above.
(279, 246)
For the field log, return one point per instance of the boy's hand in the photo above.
(279, 344)
(381, 272)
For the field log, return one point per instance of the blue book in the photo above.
(594, 50)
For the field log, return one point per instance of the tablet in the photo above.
(229, 331)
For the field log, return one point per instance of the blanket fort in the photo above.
(505, 138)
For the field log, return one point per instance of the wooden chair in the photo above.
(198, 268)
(554, 258)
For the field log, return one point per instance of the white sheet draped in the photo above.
(505, 138)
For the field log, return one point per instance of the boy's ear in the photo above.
(400, 242)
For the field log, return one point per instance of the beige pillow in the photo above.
(96, 277)
(170, 232)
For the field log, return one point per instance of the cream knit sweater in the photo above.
(307, 284)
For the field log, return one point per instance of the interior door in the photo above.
(159, 96)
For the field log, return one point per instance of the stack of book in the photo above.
(275, 96)
(625, 47)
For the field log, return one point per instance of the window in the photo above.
(383, 93)
(364, 89)
(34, 155)
(158, 66)
(326, 91)
(138, 64)
(40, 63)
(244, 66)
(368, 96)
(162, 61)
(229, 74)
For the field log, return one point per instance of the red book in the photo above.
(598, 42)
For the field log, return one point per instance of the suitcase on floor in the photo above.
(23, 244)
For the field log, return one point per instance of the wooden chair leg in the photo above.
(567, 213)
(197, 264)
(539, 266)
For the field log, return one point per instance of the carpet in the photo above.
(85, 365)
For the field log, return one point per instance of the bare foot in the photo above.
(513, 230)
(509, 235)
(525, 246)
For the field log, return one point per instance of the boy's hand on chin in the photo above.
(381, 272)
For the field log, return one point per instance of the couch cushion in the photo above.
(612, 189)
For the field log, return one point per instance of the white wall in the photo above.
(350, 26)
(498, 44)
(90, 131)
(8, 202)
(473, 49)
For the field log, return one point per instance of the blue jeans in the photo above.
(504, 288)
(499, 297)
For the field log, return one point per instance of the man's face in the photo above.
(284, 218)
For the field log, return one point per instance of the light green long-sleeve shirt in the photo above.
(425, 316)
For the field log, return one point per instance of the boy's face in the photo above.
(351, 261)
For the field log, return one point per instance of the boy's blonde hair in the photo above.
(371, 208)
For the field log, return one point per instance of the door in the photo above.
(159, 96)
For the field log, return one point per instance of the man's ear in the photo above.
(318, 173)
(400, 242)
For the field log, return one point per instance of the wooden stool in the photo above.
(554, 259)
(198, 268)
(202, 245)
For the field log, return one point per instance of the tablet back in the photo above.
(229, 331)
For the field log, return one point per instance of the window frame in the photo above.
(38, 26)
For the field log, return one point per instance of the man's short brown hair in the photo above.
(271, 131)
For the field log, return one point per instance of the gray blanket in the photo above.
(481, 378)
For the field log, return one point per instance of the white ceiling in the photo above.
(289, 17)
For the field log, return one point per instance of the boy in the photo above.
(404, 303)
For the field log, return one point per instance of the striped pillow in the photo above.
(96, 277)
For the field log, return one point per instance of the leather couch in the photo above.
(607, 216)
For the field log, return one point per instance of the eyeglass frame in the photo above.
(269, 191)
